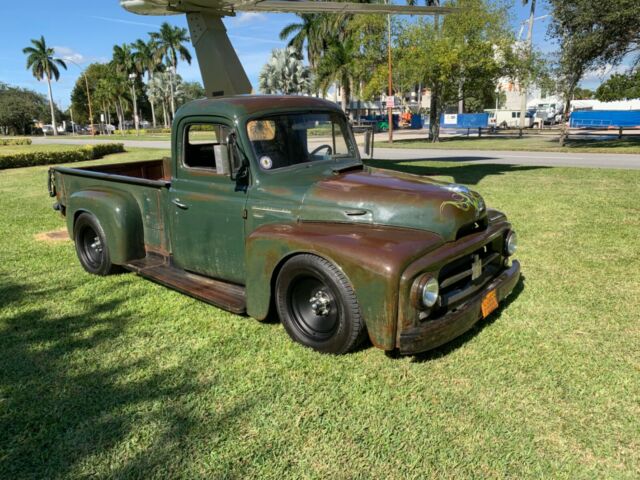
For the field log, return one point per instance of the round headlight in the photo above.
(430, 292)
(511, 244)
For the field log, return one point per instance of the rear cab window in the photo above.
(200, 141)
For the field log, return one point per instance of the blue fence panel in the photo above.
(465, 120)
(605, 119)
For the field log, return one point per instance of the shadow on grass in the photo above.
(475, 330)
(65, 402)
(468, 174)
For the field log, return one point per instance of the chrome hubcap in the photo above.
(320, 303)
(96, 245)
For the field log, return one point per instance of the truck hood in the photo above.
(385, 197)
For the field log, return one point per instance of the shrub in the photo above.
(15, 141)
(86, 152)
(144, 131)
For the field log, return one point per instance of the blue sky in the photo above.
(86, 30)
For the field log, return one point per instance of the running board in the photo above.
(225, 295)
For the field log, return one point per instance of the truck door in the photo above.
(205, 205)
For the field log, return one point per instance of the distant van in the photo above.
(509, 118)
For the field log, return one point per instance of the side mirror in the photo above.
(237, 168)
(368, 142)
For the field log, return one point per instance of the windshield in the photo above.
(294, 138)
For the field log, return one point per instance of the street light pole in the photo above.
(523, 91)
(86, 84)
(390, 96)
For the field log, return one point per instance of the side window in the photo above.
(200, 141)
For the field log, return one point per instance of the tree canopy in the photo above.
(593, 33)
(19, 108)
(620, 87)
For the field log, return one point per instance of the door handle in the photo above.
(179, 204)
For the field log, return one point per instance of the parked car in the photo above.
(255, 212)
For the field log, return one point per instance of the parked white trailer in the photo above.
(509, 118)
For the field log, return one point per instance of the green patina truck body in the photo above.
(265, 207)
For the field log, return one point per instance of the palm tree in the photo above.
(159, 90)
(285, 73)
(125, 63)
(43, 64)
(339, 63)
(147, 62)
(308, 32)
(170, 46)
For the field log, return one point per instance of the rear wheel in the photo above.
(91, 246)
(317, 305)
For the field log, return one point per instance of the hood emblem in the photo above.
(463, 199)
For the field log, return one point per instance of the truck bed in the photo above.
(149, 169)
(148, 172)
(138, 190)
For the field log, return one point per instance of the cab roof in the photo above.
(249, 105)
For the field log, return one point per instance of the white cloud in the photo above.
(69, 55)
(245, 18)
(604, 73)
(119, 20)
(256, 39)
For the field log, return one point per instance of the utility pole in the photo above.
(390, 96)
(523, 90)
(86, 84)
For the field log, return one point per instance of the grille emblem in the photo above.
(476, 267)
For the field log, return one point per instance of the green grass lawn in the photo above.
(532, 143)
(120, 377)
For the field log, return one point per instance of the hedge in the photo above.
(14, 141)
(86, 152)
(144, 131)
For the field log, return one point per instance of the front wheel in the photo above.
(91, 246)
(317, 305)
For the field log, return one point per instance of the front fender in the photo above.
(372, 257)
(119, 216)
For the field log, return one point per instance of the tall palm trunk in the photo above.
(53, 113)
(153, 107)
(346, 93)
(173, 100)
(120, 112)
(164, 112)
(434, 118)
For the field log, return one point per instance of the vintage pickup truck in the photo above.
(266, 206)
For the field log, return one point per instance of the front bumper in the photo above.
(434, 333)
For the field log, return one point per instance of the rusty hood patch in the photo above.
(386, 197)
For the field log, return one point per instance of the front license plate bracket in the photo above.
(489, 303)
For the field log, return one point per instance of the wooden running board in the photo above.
(216, 292)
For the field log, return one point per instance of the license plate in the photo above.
(489, 303)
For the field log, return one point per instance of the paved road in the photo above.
(548, 159)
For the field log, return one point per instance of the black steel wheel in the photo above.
(91, 245)
(317, 305)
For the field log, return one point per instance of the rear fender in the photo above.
(120, 218)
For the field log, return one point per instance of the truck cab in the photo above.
(266, 206)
